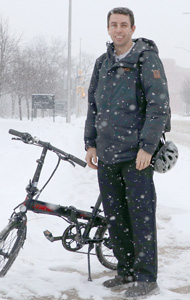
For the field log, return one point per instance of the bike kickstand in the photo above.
(90, 247)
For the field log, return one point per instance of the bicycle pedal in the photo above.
(49, 235)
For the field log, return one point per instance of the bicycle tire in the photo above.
(104, 250)
(12, 238)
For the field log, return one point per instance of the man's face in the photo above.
(120, 29)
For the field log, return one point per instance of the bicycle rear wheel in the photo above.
(12, 238)
(104, 251)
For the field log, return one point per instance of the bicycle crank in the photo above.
(50, 236)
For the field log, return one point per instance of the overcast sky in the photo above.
(163, 21)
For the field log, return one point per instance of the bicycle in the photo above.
(75, 236)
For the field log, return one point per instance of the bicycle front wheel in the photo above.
(12, 238)
(104, 251)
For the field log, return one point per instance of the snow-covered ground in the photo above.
(47, 271)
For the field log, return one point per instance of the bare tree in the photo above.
(8, 47)
(39, 68)
(45, 64)
(21, 80)
(58, 60)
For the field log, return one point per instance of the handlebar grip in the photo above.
(24, 136)
(78, 161)
(16, 133)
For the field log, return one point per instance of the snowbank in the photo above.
(47, 271)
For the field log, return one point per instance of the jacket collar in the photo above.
(141, 45)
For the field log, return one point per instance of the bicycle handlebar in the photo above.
(28, 139)
(25, 137)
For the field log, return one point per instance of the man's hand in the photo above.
(91, 158)
(143, 160)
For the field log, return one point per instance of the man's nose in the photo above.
(118, 28)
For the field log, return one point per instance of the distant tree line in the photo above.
(37, 68)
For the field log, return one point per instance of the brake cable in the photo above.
(57, 165)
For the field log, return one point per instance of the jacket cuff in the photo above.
(90, 143)
(147, 147)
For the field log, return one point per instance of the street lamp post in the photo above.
(68, 115)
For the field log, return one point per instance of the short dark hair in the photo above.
(123, 11)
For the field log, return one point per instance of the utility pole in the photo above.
(68, 115)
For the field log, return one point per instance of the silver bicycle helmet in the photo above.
(166, 157)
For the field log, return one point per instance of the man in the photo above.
(127, 113)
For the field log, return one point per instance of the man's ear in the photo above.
(133, 28)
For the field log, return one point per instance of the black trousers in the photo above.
(129, 202)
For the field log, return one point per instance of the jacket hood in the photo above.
(141, 45)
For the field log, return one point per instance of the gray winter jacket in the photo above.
(128, 103)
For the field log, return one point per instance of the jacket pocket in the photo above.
(126, 138)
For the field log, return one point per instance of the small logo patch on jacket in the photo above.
(156, 73)
(127, 69)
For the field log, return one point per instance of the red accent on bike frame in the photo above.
(83, 216)
(24, 203)
(42, 207)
